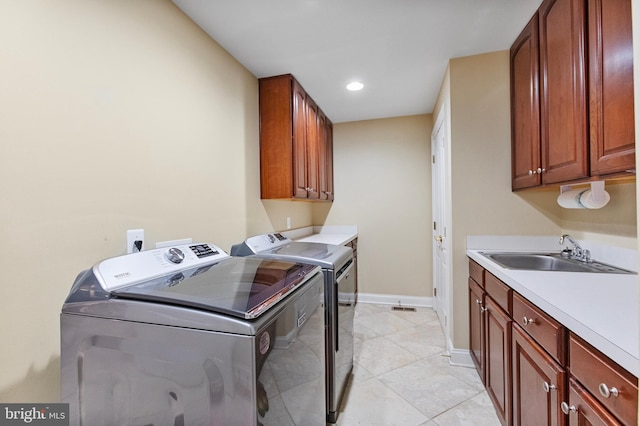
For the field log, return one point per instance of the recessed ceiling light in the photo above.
(355, 86)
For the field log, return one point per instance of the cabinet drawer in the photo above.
(546, 331)
(594, 370)
(585, 410)
(476, 272)
(499, 291)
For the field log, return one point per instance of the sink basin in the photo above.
(550, 262)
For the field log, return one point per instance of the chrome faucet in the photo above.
(577, 252)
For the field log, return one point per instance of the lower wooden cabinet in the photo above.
(476, 326)
(498, 359)
(583, 409)
(615, 389)
(538, 383)
(537, 372)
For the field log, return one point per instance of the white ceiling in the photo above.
(399, 49)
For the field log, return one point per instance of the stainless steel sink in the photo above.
(550, 262)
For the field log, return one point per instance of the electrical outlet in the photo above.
(135, 240)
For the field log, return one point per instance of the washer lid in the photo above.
(242, 287)
(324, 255)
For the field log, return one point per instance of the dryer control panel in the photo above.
(118, 272)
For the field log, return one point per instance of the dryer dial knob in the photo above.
(174, 255)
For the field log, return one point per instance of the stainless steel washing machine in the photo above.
(192, 336)
(340, 300)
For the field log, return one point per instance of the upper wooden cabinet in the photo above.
(525, 107)
(296, 146)
(611, 86)
(572, 94)
(563, 106)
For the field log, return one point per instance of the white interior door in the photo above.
(440, 241)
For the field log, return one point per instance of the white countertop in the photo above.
(603, 309)
(337, 235)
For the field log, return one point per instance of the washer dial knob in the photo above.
(174, 255)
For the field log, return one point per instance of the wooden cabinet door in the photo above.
(538, 383)
(584, 410)
(525, 108)
(611, 110)
(313, 142)
(322, 156)
(300, 162)
(476, 326)
(498, 359)
(563, 106)
(329, 159)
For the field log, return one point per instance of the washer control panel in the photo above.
(118, 272)
(260, 243)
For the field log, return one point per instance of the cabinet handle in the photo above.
(483, 309)
(568, 409)
(606, 391)
(526, 321)
(478, 302)
(537, 172)
(310, 189)
(548, 388)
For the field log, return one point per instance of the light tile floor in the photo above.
(402, 375)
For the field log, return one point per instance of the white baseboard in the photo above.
(390, 299)
(461, 358)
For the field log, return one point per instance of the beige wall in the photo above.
(88, 85)
(477, 88)
(383, 178)
(115, 115)
(482, 201)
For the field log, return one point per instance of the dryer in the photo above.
(337, 265)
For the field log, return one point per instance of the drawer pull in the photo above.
(606, 391)
(548, 388)
(568, 409)
(526, 321)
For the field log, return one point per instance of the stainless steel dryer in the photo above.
(192, 336)
(340, 299)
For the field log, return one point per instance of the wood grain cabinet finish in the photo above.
(600, 376)
(563, 105)
(548, 332)
(525, 108)
(490, 337)
(611, 86)
(572, 113)
(498, 359)
(295, 150)
(476, 327)
(535, 370)
(583, 410)
(499, 291)
(538, 383)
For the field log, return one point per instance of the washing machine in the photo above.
(340, 292)
(191, 336)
